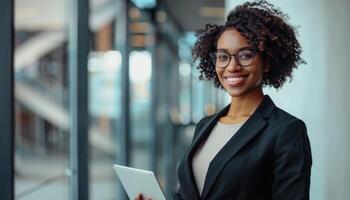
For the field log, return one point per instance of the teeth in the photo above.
(235, 79)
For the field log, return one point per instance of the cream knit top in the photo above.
(206, 152)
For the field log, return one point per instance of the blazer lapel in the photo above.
(190, 184)
(249, 129)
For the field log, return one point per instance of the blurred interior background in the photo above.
(166, 97)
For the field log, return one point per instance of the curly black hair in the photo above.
(265, 28)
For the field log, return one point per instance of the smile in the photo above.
(235, 81)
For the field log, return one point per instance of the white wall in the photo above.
(320, 91)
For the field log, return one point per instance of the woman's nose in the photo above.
(233, 65)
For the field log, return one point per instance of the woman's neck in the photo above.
(244, 106)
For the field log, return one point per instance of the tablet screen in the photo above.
(137, 181)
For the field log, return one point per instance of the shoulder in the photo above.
(280, 118)
(280, 114)
(288, 130)
(201, 124)
(203, 121)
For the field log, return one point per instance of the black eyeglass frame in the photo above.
(235, 55)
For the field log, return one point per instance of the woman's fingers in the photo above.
(138, 197)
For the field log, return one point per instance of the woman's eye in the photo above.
(221, 57)
(245, 55)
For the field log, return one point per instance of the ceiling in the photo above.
(190, 15)
(194, 14)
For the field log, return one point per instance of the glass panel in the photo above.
(104, 67)
(185, 92)
(141, 43)
(185, 78)
(41, 100)
(141, 130)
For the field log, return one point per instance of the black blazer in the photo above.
(268, 158)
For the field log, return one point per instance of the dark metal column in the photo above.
(78, 98)
(6, 101)
(123, 124)
(155, 104)
(122, 33)
(173, 125)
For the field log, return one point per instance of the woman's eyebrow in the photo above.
(229, 51)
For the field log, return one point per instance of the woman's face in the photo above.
(237, 80)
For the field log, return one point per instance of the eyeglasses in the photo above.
(244, 57)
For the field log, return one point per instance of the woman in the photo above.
(251, 149)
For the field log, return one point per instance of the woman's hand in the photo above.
(140, 197)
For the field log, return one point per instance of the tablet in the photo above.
(137, 181)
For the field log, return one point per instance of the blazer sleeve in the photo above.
(292, 162)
